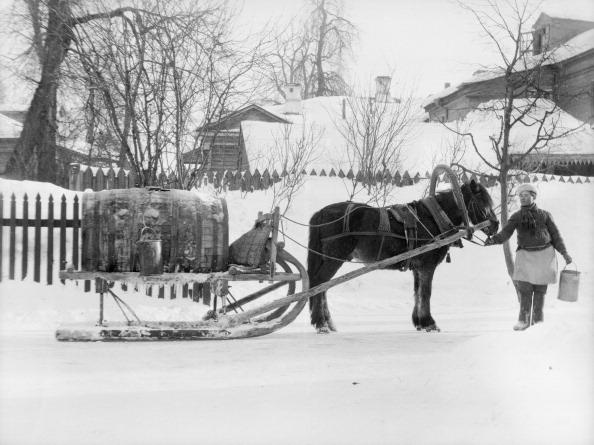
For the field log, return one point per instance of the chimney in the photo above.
(292, 98)
(382, 88)
(446, 85)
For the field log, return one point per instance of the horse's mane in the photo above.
(482, 192)
(467, 191)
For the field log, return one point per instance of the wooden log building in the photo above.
(569, 78)
(221, 145)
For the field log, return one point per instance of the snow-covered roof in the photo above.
(428, 143)
(484, 123)
(477, 76)
(577, 45)
(238, 115)
(562, 11)
(9, 128)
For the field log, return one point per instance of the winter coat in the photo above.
(536, 230)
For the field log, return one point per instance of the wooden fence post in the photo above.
(11, 237)
(111, 179)
(25, 249)
(37, 245)
(62, 263)
(74, 179)
(87, 179)
(50, 239)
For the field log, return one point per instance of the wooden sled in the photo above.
(230, 317)
(260, 320)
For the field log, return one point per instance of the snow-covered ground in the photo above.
(375, 381)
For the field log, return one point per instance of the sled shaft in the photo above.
(245, 316)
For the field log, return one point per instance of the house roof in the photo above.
(245, 111)
(477, 76)
(574, 47)
(580, 44)
(17, 115)
(426, 145)
(565, 13)
(9, 128)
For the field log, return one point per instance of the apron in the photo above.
(536, 266)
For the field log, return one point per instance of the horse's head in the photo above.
(480, 206)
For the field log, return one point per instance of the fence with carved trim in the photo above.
(83, 177)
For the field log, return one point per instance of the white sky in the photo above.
(421, 43)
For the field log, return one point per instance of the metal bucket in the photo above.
(149, 255)
(569, 283)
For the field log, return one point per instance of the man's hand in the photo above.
(567, 258)
(489, 241)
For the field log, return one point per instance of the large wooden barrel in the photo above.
(193, 229)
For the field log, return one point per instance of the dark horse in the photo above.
(332, 242)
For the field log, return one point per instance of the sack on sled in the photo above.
(250, 248)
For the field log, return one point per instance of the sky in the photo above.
(422, 44)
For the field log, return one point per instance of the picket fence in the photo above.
(84, 177)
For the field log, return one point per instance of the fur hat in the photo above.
(526, 187)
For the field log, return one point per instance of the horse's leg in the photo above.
(318, 304)
(321, 268)
(422, 318)
(415, 314)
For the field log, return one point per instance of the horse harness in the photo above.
(405, 215)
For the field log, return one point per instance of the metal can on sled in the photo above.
(149, 253)
(569, 283)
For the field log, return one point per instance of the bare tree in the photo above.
(53, 23)
(289, 60)
(311, 51)
(525, 106)
(145, 76)
(374, 132)
(292, 153)
(333, 35)
(153, 91)
(289, 150)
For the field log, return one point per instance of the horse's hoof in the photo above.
(323, 330)
(432, 328)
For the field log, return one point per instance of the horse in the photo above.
(348, 231)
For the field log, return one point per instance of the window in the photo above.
(541, 39)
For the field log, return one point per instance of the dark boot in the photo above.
(525, 292)
(539, 293)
